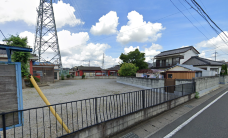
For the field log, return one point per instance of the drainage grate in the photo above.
(130, 135)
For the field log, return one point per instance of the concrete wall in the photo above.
(112, 127)
(145, 83)
(96, 77)
(204, 85)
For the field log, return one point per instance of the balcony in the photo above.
(163, 65)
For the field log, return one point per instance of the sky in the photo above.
(87, 29)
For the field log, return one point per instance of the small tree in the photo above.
(128, 69)
(224, 67)
(22, 57)
(135, 57)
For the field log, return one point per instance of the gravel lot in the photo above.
(72, 90)
(40, 122)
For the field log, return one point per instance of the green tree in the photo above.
(135, 57)
(224, 67)
(22, 57)
(128, 69)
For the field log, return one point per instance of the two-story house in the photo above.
(169, 58)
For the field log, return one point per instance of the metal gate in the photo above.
(46, 73)
(171, 83)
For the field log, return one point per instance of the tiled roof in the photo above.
(197, 61)
(176, 51)
(190, 67)
(43, 64)
(116, 67)
(88, 68)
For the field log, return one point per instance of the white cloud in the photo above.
(30, 37)
(107, 24)
(215, 42)
(149, 52)
(152, 51)
(138, 30)
(25, 10)
(202, 54)
(129, 49)
(74, 49)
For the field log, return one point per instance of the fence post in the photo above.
(4, 125)
(96, 110)
(193, 85)
(143, 98)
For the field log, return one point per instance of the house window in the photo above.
(170, 75)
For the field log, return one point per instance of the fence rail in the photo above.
(77, 115)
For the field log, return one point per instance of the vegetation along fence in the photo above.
(78, 115)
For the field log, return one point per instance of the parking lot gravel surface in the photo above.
(72, 90)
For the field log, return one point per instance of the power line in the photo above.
(192, 23)
(3, 34)
(203, 14)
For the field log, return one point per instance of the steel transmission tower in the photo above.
(46, 39)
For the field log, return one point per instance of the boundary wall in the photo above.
(145, 83)
(112, 127)
(204, 85)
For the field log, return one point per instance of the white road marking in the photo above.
(194, 116)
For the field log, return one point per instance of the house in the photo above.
(206, 64)
(169, 58)
(88, 71)
(44, 71)
(113, 71)
(181, 71)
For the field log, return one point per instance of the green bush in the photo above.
(68, 76)
(128, 69)
(35, 78)
(197, 95)
(72, 75)
(83, 76)
(62, 77)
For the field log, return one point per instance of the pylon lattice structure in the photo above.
(46, 39)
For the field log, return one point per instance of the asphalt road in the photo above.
(211, 123)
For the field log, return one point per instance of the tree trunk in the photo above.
(23, 83)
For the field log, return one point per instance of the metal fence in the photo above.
(77, 115)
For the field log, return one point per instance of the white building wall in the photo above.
(188, 55)
(209, 68)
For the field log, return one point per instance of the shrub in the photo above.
(62, 77)
(72, 75)
(68, 76)
(127, 69)
(197, 95)
(83, 76)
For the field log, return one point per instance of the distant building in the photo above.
(113, 71)
(88, 71)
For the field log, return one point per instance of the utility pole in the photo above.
(89, 63)
(103, 62)
(215, 54)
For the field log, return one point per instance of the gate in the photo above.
(171, 83)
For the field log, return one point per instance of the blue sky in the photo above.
(89, 28)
